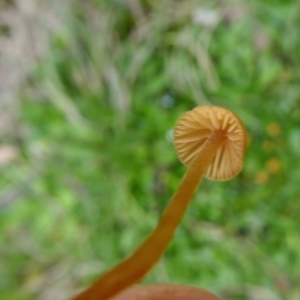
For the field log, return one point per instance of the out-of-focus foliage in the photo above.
(95, 164)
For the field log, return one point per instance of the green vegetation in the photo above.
(96, 164)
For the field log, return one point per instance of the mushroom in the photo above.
(212, 142)
(163, 292)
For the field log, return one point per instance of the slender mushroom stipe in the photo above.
(212, 142)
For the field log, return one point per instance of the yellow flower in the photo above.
(273, 129)
(274, 165)
(261, 177)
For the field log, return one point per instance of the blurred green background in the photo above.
(89, 95)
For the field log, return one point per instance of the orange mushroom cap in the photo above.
(195, 127)
(165, 292)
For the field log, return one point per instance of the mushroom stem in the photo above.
(142, 260)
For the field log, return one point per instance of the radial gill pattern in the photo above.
(195, 128)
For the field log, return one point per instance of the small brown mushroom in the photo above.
(195, 127)
(212, 142)
(165, 292)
